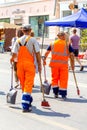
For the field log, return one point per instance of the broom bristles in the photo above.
(45, 104)
(78, 91)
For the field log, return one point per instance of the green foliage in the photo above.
(84, 36)
(83, 44)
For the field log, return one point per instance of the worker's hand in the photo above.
(11, 60)
(44, 60)
(72, 67)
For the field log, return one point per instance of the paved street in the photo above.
(62, 115)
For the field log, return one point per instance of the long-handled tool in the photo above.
(72, 63)
(11, 95)
(46, 85)
(78, 91)
(44, 103)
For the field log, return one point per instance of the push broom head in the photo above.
(44, 103)
(78, 91)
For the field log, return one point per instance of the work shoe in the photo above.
(55, 95)
(63, 98)
(27, 110)
(81, 69)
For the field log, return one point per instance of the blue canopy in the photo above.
(78, 20)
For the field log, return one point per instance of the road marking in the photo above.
(41, 119)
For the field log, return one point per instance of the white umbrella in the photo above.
(4, 25)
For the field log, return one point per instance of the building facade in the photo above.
(36, 12)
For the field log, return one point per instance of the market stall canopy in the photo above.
(78, 20)
(4, 25)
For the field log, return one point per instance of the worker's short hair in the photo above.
(61, 33)
(26, 27)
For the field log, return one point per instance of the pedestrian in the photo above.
(25, 48)
(74, 41)
(19, 33)
(60, 53)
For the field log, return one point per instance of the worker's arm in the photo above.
(38, 57)
(14, 55)
(46, 55)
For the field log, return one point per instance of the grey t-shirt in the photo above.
(31, 44)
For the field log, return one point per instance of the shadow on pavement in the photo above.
(15, 107)
(2, 93)
(49, 113)
(43, 112)
(81, 99)
(78, 71)
(36, 89)
(75, 100)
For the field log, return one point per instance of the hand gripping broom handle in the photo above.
(45, 73)
(41, 86)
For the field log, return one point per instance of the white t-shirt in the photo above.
(12, 44)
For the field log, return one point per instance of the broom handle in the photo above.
(75, 79)
(45, 73)
(41, 86)
(12, 76)
(73, 73)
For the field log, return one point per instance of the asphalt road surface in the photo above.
(61, 115)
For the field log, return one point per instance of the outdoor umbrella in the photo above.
(4, 25)
(78, 20)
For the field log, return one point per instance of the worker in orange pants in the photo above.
(60, 52)
(59, 80)
(25, 48)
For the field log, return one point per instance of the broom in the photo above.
(71, 62)
(44, 103)
(78, 91)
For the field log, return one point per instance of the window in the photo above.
(67, 13)
(7, 20)
(37, 23)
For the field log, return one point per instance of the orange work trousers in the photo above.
(60, 76)
(26, 74)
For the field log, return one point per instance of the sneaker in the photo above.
(81, 69)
